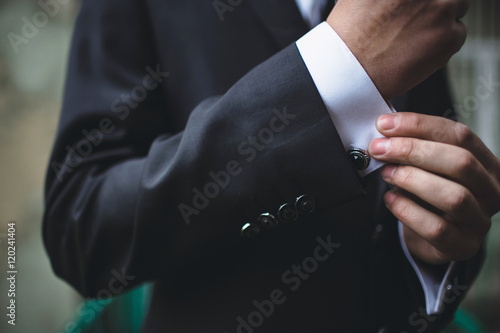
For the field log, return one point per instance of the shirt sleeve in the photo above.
(354, 105)
(432, 280)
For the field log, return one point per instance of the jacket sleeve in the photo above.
(126, 193)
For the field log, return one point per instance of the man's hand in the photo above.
(400, 42)
(447, 184)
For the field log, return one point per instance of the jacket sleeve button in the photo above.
(250, 230)
(305, 204)
(267, 220)
(287, 213)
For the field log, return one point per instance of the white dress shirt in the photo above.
(354, 103)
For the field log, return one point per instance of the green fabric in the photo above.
(464, 323)
(126, 313)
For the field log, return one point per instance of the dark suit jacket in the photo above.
(136, 146)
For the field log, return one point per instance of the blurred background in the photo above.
(32, 69)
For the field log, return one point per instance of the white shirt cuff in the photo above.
(351, 98)
(433, 286)
(354, 103)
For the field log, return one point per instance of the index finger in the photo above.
(438, 129)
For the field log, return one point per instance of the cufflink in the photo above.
(359, 158)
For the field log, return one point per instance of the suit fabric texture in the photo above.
(164, 97)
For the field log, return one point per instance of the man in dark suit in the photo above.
(201, 148)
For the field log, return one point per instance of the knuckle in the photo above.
(457, 200)
(455, 40)
(445, 8)
(462, 7)
(465, 162)
(413, 120)
(460, 36)
(404, 211)
(418, 151)
(437, 232)
(439, 134)
(451, 37)
(463, 134)
(404, 175)
(407, 149)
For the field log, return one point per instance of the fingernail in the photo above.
(388, 121)
(388, 171)
(379, 146)
(389, 197)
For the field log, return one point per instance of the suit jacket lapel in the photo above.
(281, 19)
